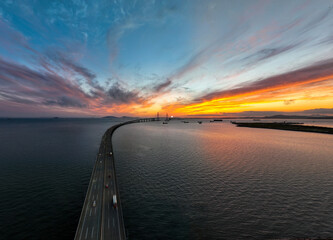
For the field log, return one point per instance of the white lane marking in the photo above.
(90, 212)
(84, 220)
(86, 233)
(92, 232)
(108, 222)
(118, 223)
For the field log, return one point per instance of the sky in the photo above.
(77, 58)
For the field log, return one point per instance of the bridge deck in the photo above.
(102, 220)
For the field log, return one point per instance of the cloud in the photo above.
(320, 71)
(212, 47)
(231, 47)
(118, 95)
(267, 53)
(310, 112)
(288, 102)
(193, 63)
(29, 88)
(37, 86)
(319, 18)
(55, 78)
(162, 85)
(116, 32)
(55, 59)
(12, 39)
(16, 99)
(48, 88)
(87, 74)
(65, 101)
(239, 114)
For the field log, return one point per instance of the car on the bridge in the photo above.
(94, 203)
(106, 185)
(110, 153)
(109, 176)
(114, 200)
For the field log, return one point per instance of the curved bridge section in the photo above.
(101, 216)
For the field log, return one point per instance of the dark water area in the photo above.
(177, 181)
(217, 181)
(45, 167)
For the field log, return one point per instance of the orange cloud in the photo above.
(301, 85)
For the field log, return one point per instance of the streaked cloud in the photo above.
(321, 71)
(162, 85)
(309, 113)
(65, 101)
(184, 57)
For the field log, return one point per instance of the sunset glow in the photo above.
(184, 58)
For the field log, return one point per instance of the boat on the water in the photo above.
(165, 122)
(199, 122)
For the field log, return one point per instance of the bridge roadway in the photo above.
(102, 221)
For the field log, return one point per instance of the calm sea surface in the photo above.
(45, 167)
(217, 181)
(177, 181)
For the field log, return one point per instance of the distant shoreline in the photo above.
(286, 126)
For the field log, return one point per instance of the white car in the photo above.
(114, 201)
(94, 203)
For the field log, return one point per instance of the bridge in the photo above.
(101, 215)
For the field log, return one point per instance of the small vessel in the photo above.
(185, 121)
(199, 122)
(165, 122)
(216, 120)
